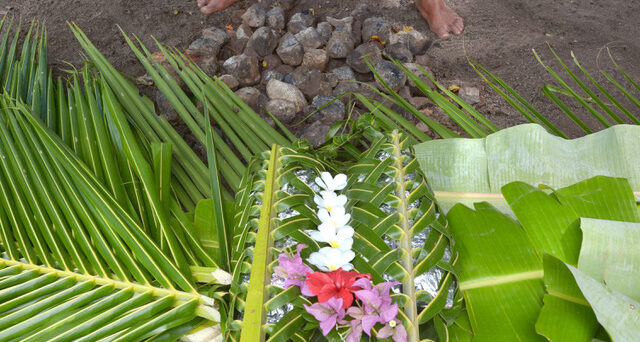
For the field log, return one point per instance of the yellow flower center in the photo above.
(334, 243)
(392, 324)
(329, 208)
(332, 267)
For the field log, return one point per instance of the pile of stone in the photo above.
(291, 65)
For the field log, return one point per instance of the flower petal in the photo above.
(363, 283)
(340, 181)
(368, 321)
(327, 180)
(385, 332)
(323, 216)
(319, 260)
(399, 333)
(345, 233)
(347, 267)
(389, 313)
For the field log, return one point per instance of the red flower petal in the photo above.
(335, 284)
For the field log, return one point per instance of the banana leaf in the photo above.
(471, 170)
(513, 275)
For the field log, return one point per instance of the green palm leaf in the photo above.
(392, 207)
(274, 208)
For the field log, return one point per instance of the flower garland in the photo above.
(335, 285)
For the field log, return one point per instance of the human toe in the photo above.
(442, 33)
(211, 6)
(458, 26)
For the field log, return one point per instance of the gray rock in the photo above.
(470, 95)
(230, 81)
(357, 58)
(269, 75)
(284, 69)
(376, 26)
(275, 18)
(255, 15)
(165, 108)
(208, 64)
(285, 91)
(391, 74)
(416, 41)
(288, 4)
(271, 61)
(315, 58)
(419, 102)
(216, 34)
(325, 30)
(398, 51)
(300, 21)
(356, 31)
(345, 87)
(204, 47)
(415, 69)
(340, 45)
(405, 93)
(309, 38)
(344, 73)
(244, 32)
(316, 133)
(234, 47)
(344, 24)
(290, 50)
(262, 42)
(311, 82)
(251, 96)
(362, 11)
(331, 79)
(332, 112)
(283, 110)
(244, 68)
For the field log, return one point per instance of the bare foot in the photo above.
(442, 19)
(210, 6)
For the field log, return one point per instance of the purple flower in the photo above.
(356, 324)
(293, 270)
(377, 305)
(327, 313)
(395, 329)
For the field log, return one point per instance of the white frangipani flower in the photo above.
(336, 218)
(330, 200)
(341, 238)
(329, 183)
(331, 259)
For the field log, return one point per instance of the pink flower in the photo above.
(377, 304)
(356, 324)
(395, 329)
(293, 270)
(327, 313)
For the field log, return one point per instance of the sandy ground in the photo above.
(499, 34)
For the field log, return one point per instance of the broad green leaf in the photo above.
(467, 168)
(615, 311)
(556, 231)
(566, 314)
(609, 254)
(500, 274)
